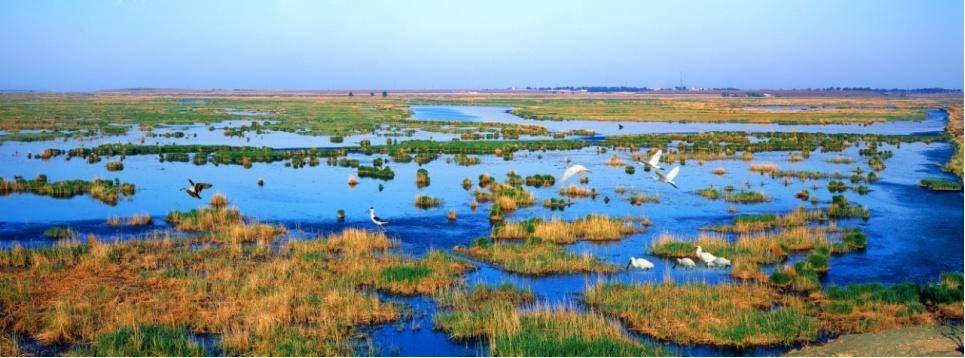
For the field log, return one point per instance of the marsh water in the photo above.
(913, 234)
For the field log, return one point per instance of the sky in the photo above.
(60, 45)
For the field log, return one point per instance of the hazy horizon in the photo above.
(436, 45)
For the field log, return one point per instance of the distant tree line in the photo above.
(593, 88)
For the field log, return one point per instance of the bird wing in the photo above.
(570, 172)
(376, 218)
(191, 182)
(673, 173)
(655, 159)
(204, 186)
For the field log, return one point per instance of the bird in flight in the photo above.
(195, 189)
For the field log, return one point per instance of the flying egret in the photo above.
(640, 263)
(375, 219)
(571, 171)
(654, 162)
(686, 262)
(706, 257)
(669, 177)
(195, 189)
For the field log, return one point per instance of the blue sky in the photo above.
(90, 45)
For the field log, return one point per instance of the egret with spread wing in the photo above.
(669, 177)
(654, 162)
(574, 170)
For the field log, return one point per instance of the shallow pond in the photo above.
(914, 234)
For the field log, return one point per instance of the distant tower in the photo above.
(681, 79)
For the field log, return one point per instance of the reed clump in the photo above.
(423, 201)
(763, 167)
(307, 297)
(742, 314)
(491, 312)
(754, 247)
(106, 191)
(576, 191)
(746, 197)
(422, 178)
(508, 197)
(133, 220)
(533, 258)
(940, 184)
(871, 307)
(114, 166)
(589, 228)
(750, 223)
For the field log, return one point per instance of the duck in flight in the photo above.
(195, 189)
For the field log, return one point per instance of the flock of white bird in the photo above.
(640, 263)
(707, 258)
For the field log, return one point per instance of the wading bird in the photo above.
(640, 263)
(686, 262)
(721, 262)
(669, 177)
(375, 219)
(654, 162)
(571, 171)
(195, 189)
(706, 257)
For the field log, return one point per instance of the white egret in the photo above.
(669, 177)
(706, 257)
(571, 171)
(654, 162)
(640, 263)
(686, 262)
(721, 262)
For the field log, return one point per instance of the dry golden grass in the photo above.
(615, 161)
(352, 181)
(720, 171)
(590, 228)
(576, 191)
(727, 314)
(244, 234)
(763, 167)
(134, 220)
(307, 298)
(756, 247)
(796, 218)
(534, 259)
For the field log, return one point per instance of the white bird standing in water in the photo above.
(706, 257)
(375, 219)
(721, 262)
(640, 263)
(571, 171)
(669, 177)
(654, 162)
(686, 262)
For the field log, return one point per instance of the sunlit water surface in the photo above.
(914, 234)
